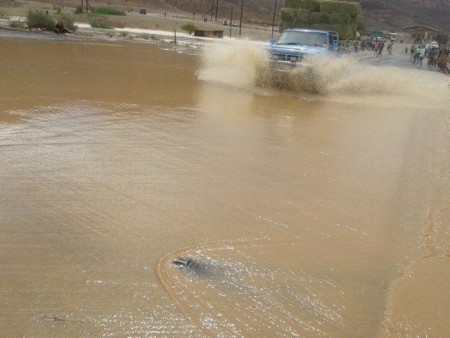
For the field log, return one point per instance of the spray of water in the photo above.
(244, 64)
(234, 63)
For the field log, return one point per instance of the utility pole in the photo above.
(217, 8)
(231, 21)
(212, 9)
(240, 21)
(274, 13)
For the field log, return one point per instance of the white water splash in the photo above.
(245, 64)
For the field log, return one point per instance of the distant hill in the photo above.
(395, 14)
(378, 14)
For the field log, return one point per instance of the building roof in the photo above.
(421, 27)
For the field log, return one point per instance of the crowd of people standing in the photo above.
(430, 55)
(376, 45)
(437, 57)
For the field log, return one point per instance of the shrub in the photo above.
(292, 4)
(78, 10)
(340, 19)
(57, 9)
(189, 28)
(100, 22)
(322, 26)
(107, 11)
(311, 5)
(361, 25)
(40, 20)
(288, 16)
(303, 18)
(320, 18)
(68, 22)
(343, 31)
(350, 8)
(118, 24)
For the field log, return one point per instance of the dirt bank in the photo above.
(158, 19)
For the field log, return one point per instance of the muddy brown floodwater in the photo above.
(322, 215)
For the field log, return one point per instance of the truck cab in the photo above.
(294, 45)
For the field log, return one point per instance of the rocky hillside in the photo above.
(395, 14)
(378, 14)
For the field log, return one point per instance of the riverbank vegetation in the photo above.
(107, 11)
(100, 22)
(101, 11)
(189, 28)
(40, 20)
(67, 21)
(98, 17)
(322, 14)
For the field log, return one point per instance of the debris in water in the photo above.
(189, 264)
(182, 262)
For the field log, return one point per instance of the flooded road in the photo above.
(305, 215)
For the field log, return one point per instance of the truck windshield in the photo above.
(303, 38)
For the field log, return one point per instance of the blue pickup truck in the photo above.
(295, 45)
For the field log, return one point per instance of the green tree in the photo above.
(361, 26)
(189, 28)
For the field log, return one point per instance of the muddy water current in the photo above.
(321, 214)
